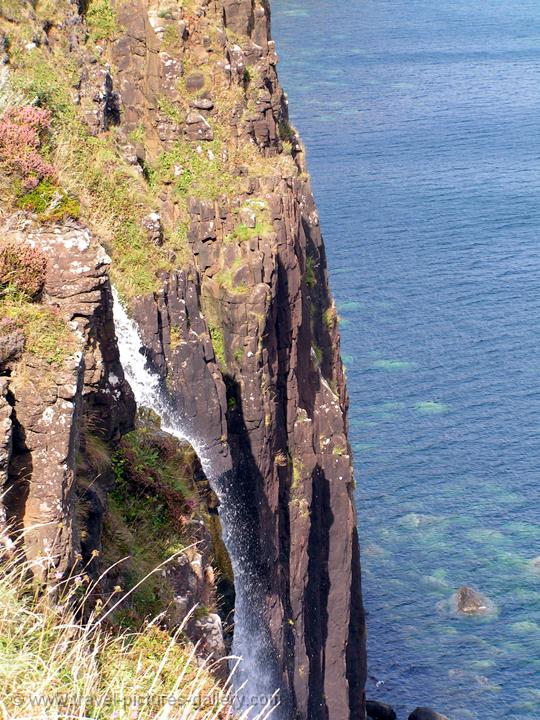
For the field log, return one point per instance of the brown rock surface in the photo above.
(48, 400)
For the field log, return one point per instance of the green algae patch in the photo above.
(364, 447)
(432, 407)
(394, 365)
(485, 535)
(525, 627)
(350, 306)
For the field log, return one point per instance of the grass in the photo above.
(330, 317)
(56, 666)
(101, 20)
(226, 276)
(47, 335)
(176, 338)
(153, 496)
(197, 171)
(243, 233)
(112, 195)
(317, 351)
(218, 343)
(171, 110)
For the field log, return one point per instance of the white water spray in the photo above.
(256, 678)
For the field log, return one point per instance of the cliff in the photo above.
(168, 137)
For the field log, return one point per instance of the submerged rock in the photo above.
(471, 602)
(379, 711)
(424, 713)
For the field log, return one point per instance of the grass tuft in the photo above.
(47, 335)
(55, 665)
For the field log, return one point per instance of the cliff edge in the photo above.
(167, 136)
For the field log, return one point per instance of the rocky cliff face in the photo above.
(238, 321)
(46, 397)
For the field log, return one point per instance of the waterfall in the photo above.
(256, 677)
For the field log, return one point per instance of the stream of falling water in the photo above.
(256, 678)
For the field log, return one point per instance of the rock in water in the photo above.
(471, 602)
(379, 711)
(423, 713)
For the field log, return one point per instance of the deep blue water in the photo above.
(422, 123)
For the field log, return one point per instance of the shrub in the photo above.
(22, 267)
(21, 130)
(150, 504)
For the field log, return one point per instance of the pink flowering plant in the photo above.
(21, 134)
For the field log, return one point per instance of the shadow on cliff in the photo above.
(246, 510)
(16, 491)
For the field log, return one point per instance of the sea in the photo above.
(422, 126)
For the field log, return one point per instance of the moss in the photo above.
(50, 202)
(101, 20)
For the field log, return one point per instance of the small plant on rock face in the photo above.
(281, 459)
(21, 130)
(310, 277)
(218, 344)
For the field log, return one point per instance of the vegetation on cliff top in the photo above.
(74, 173)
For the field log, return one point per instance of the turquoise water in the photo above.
(422, 122)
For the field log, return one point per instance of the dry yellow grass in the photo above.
(53, 665)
